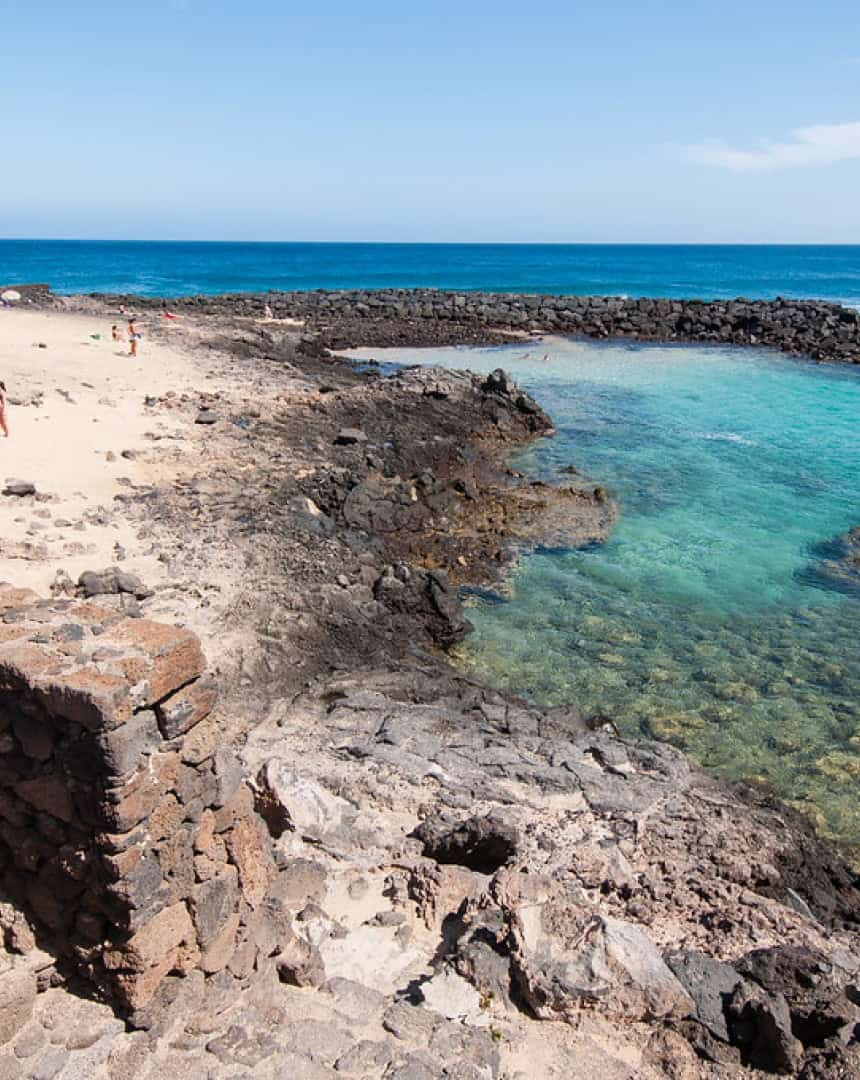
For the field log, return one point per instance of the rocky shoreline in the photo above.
(482, 889)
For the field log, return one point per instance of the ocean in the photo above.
(701, 271)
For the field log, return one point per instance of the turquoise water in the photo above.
(830, 272)
(700, 621)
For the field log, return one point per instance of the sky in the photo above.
(467, 121)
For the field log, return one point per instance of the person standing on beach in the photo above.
(115, 334)
(134, 337)
(4, 427)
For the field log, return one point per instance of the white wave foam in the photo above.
(723, 436)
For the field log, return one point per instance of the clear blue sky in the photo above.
(546, 121)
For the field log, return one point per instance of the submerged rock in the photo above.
(839, 567)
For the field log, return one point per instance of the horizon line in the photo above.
(437, 243)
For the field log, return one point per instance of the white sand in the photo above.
(62, 445)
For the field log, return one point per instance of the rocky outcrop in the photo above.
(564, 873)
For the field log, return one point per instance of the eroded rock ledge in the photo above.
(430, 866)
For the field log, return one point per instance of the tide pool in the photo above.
(701, 621)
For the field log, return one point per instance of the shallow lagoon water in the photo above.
(700, 621)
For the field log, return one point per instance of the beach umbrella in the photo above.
(9, 295)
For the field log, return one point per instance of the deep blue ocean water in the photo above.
(670, 270)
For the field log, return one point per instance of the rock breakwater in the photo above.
(817, 329)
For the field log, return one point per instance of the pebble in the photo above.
(349, 437)
(19, 487)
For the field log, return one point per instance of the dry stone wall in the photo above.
(128, 835)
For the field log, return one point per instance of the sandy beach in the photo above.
(82, 433)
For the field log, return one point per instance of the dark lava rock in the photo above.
(382, 317)
(482, 955)
(817, 999)
(111, 581)
(206, 416)
(710, 984)
(809, 866)
(832, 1062)
(483, 844)
(19, 487)
(425, 594)
(761, 1027)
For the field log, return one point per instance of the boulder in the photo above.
(299, 963)
(450, 995)
(566, 956)
(111, 581)
(761, 1027)
(710, 984)
(306, 806)
(818, 998)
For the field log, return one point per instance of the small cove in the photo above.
(702, 620)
